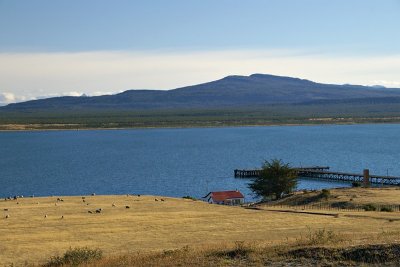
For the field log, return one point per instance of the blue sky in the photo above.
(52, 47)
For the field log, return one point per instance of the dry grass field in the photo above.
(28, 235)
(355, 195)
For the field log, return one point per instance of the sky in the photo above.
(73, 47)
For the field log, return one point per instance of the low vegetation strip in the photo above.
(194, 117)
(373, 254)
(250, 254)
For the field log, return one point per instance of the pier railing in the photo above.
(256, 172)
(322, 172)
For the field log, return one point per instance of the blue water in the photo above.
(178, 162)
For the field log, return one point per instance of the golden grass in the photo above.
(382, 196)
(150, 225)
(354, 195)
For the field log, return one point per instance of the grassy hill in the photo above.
(162, 230)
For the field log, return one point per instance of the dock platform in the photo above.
(322, 172)
(255, 173)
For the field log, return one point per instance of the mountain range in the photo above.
(232, 91)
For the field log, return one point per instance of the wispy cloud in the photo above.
(31, 75)
(387, 83)
(7, 97)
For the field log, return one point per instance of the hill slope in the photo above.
(231, 91)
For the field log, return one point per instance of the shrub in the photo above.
(387, 209)
(240, 251)
(325, 193)
(343, 205)
(369, 207)
(189, 197)
(75, 256)
(320, 237)
(356, 184)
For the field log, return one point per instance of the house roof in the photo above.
(224, 195)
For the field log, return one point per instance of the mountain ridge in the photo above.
(231, 91)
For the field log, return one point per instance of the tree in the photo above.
(276, 179)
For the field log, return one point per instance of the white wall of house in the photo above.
(234, 201)
(229, 201)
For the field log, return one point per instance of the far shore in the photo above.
(305, 122)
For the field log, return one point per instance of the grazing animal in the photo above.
(138, 195)
(5, 209)
(113, 205)
(62, 217)
(89, 211)
(127, 207)
(83, 200)
(99, 210)
(7, 216)
(18, 203)
(45, 215)
(83, 197)
(156, 199)
(162, 199)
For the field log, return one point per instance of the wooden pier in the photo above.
(323, 173)
(256, 173)
(349, 177)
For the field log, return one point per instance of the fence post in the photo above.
(366, 177)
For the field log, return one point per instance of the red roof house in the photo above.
(225, 197)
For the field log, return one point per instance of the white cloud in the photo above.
(386, 83)
(29, 75)
(6, 98)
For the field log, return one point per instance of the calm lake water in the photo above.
(178, 162)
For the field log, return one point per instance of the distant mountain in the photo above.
(231, 91)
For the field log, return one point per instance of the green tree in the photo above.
(276, 179)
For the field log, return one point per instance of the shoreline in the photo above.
(297, 191)
(29, 128)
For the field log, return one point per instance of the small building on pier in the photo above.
(225, 197)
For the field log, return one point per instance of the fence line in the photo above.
(328, 206)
